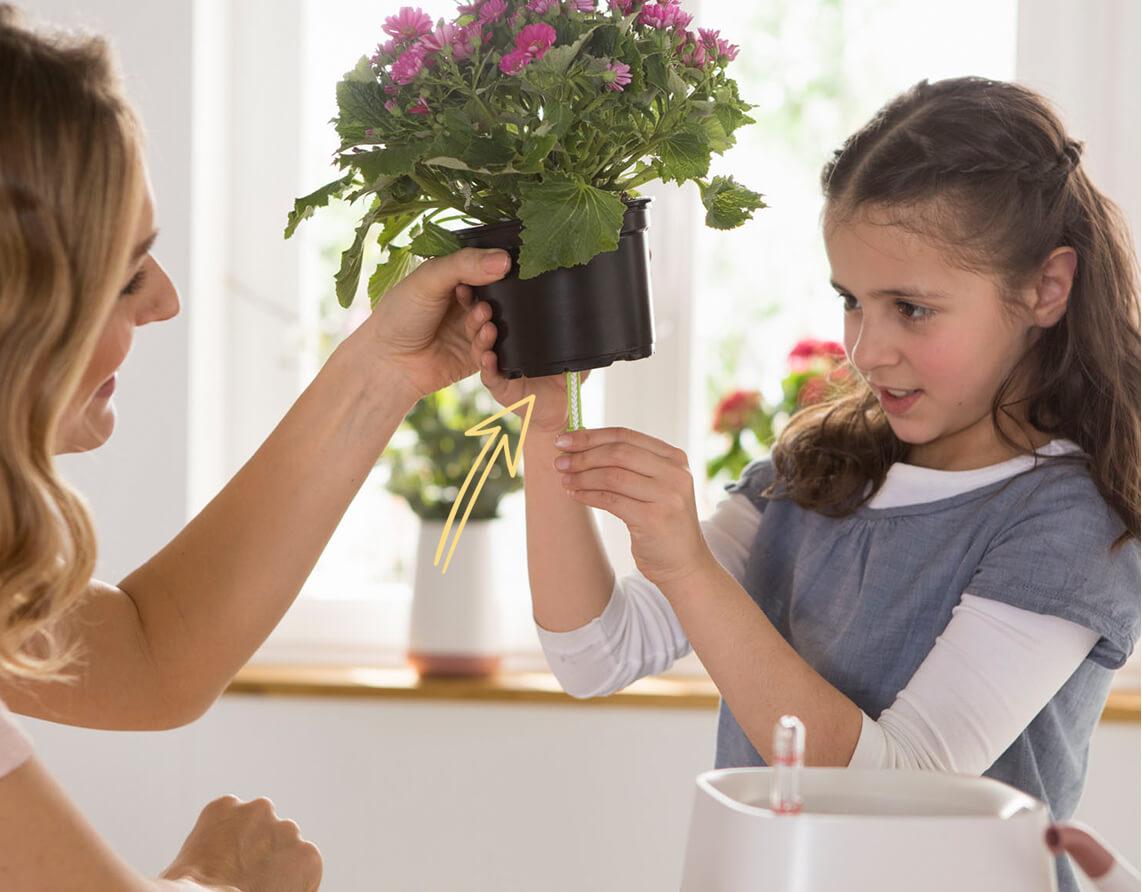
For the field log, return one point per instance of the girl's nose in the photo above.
(872, 348)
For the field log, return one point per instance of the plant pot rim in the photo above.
(633, 204)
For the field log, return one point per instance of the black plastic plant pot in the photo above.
(574, 318)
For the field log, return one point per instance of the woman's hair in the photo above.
(984, 170)
(71, 191)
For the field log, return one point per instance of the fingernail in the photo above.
(563, 440)
(563, 462)
(497, 262)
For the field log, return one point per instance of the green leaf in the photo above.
(566, 223)
(434, 241)
(685, 154)
(557, 119)
(303, 207)
(360, 104)
(391, 161)
(394, 226)
(349, 275)
(728, 203)
(400, 263)
(535, 150)
(495, 150)
(362, 72)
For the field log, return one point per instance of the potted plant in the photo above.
(815, 369)
(454, 622)
(531, 126)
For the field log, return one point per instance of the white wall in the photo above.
(435, 796)
(413, 796)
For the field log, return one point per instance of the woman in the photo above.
(77, 225)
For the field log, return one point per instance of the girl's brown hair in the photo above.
(71, 191)
(984, 170)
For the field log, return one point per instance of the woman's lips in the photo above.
(897, 405)
(106, 389)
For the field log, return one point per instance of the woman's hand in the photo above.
(549, 414)
(646, 484)
(246, 846)
(417, 329)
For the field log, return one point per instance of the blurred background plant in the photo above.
(428, 469)
(751, 424)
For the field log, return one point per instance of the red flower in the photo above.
(734, 410)
(807, 353)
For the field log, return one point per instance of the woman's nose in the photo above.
(161, 302)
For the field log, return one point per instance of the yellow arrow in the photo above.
(502, 444)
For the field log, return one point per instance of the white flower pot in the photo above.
(889, 831)
(455, 619)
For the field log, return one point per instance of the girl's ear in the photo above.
(1052, 289)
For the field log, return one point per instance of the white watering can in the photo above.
(888, 831)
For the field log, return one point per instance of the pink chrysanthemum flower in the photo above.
(444, 36)
(515, 62)
(420, 107)
(727, 50)
(616, 76)
(408, 24)
(582, 5)
(493, 11)
(467, 8)
(709, 37)
(408, 65)
(467, 41)
(692, 51)
(535, 40)
(542, 7)
(626, 7)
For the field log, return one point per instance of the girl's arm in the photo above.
(571, 577)
(161, 646)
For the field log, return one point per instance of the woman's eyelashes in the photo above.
(910, 311)
(134, 285)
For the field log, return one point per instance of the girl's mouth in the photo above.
(897, 402)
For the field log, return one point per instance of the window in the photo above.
(728, 305)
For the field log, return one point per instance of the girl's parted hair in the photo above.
(71, 191)
(984, 170)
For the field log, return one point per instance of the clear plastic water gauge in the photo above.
(788, 760)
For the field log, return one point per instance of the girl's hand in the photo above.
(245, 845)
(646, 484)
(549, 413)
(417, 329)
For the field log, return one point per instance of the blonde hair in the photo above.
(71, 192)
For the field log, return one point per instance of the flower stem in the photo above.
(574, 401)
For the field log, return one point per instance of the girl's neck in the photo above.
(978, 446)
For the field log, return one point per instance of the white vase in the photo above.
(454, 627)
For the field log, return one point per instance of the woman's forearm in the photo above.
(757, 672)
(571, 577)
(209, 598)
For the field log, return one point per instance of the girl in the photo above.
(76, 278)
(939, 567)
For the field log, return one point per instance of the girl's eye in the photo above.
(849, 302)
(134, 285)
(913, 313)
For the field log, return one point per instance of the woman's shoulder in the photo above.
(15, 744)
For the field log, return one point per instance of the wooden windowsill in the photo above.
(517, 687)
